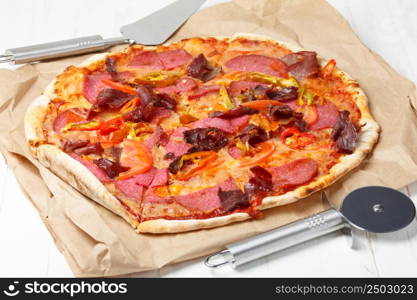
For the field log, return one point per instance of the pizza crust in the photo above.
(83, 180)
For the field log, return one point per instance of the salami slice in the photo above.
(295, 173)
(258, 63)
(164, 60)
(327, 116)
(93, 85)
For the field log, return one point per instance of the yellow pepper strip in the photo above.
(227, 102)
(85, 126)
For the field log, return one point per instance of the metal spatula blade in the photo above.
(373, 208)
(159, 26)
(151, 30)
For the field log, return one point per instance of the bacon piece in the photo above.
(201, 69)
(302, 64)
(204, 90)
(345, 133)
(294, 173)
(206, 199)
(327, 116)
(180, 86)
(93, 85)
(99, 173)
(258, 63)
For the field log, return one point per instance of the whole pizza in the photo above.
(201, 132)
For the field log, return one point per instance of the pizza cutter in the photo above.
(150, 30)
(374, 209)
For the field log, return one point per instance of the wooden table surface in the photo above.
(388, 27)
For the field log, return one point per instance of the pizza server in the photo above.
(153, 29)
(373, 209)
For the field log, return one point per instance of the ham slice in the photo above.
(93, 85)
(327, 116)
(206, 199)
(302, 64)
(294, 173)
(165, 60)
(99, 173)
(181, 85)
(204, 90)
(258, 63)
(130, 188)
(67, 116)
(239, 122)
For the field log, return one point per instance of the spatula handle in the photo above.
(278, 239)
(61, 49)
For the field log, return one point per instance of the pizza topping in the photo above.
(201, 69)
(136, 157)
(261, 104)
(90, 149)
(278, 112)
(293, 138)
(98, 172)
(111, 68)
(83, 126)
(69, 146)
(327, 116)
(234, 113)
(205, 139)
(178, 148)
(295, 173)
(93, 85)
(174, 58)
(231, 200)
(197, 162)
(119, 86)
(284, 94)
(66, 117)
(111, 168)
(130, 188)
(247, 88)
(258, 63)
(263, 152)
(345, 133)
(206, 199)
(181, 85)
(204, 90)
(302, 64)
(160, 178)
(221, 124)
(111, 98)
(260, 183)
(253, 135)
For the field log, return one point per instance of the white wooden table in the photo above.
(388, 27)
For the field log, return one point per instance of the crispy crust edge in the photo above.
(80, 178)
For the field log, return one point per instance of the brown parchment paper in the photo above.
(96, 242)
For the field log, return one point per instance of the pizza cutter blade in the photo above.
(374, 209)
(150, 30)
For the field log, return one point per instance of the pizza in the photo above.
(201, 132)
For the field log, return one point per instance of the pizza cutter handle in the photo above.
(59, 49)
(278, 239)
